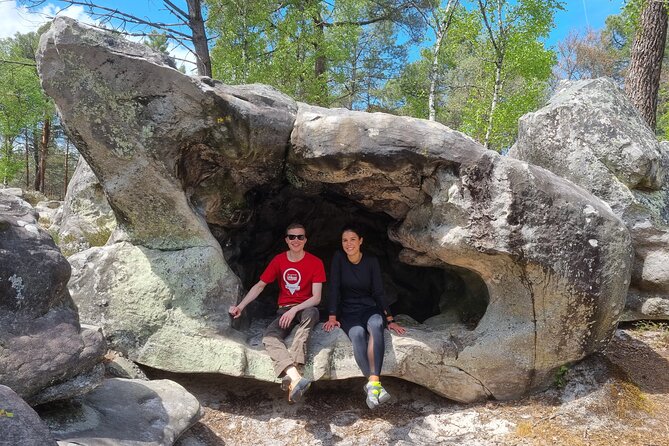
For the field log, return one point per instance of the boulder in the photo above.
(549, 252)
(184, 158)
(590, 133)
(41, 343)
(85, 219)
(19, 424)
(47, 211)
(125, 412)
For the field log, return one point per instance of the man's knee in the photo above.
(310, 316)
(271, 339)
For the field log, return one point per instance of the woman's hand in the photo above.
(331, 323)
(397, 328)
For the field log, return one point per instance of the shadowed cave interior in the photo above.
(419, 292)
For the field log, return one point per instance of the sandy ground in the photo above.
(617, 398)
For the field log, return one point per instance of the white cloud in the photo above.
(180, 53)
(18, 19)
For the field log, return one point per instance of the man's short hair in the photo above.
(296, 226)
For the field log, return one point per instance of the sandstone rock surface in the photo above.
(19, 424)
(41, 342)
(591, 134)
(85, 219)
(125, 412)
(185, 157)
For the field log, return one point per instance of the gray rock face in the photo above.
(185, 157)
(548, 251)
(41, 342)
(590, 134)
(125, 412)
(85, 219)
(19, 424)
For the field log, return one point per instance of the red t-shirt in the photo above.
(295, 278)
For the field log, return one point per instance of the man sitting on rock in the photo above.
(301, 276)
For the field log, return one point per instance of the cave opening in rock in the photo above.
(440, 295)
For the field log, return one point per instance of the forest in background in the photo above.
(476, 66)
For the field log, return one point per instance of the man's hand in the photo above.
(235, 311)
(287, 318)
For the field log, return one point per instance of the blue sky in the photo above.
(577, 15)
(581, 14)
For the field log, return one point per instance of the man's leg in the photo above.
(308, 318)
(275, 347)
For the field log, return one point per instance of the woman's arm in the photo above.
(380, 297)
(377, 286)
(333, 292)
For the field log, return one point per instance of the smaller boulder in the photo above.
(19, 424)
(126, 412)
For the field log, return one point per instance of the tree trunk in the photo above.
(643, 76)
(199, 37)
(320, 65)
(67, 154)
(493, 103)
(27, 160)
(442, 29)
(36, 154)
(44, 150)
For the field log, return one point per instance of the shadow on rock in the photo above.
(640, 363)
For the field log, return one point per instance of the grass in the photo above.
(628, 399)
(560, 377)
(654, 326)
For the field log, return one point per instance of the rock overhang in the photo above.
(525, 232)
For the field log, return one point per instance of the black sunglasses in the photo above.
(295, 236)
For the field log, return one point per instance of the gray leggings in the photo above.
(360, 339)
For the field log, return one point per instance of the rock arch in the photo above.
(177, 154)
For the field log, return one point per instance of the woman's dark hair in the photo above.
(352, 227)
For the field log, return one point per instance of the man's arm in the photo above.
(315, 299)
(236, 310)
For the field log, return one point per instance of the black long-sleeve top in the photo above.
(355, 287)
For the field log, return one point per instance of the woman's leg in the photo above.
(358, 337)
(375, 345)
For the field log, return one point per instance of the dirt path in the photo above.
(618, 398)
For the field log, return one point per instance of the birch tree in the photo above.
(512, 29)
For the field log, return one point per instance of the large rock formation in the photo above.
(591, 134)
(44, 353)
(183, 158)
(85, 219)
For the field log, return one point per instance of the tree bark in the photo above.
(25, 132)
(442, 30)
(493, 103)
(199, 37)
(320, 64)
(44, 147)
(643, 76)
(36, 155)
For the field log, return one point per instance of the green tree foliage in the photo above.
(323, 53)
(22, 102)
(493, 68)
(157, 41)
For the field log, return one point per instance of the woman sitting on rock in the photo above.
(357, 304)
